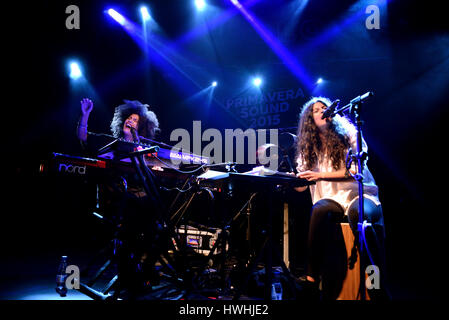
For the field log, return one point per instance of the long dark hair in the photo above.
(309, 145)
(148, 124)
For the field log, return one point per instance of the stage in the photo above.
(224, 79)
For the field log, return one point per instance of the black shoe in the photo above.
(307, 290)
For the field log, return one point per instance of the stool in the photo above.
(350, 288)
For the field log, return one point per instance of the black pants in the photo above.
(326, 251)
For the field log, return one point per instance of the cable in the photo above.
(177, 189)
(366, 224)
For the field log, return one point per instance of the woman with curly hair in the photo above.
(122, 198)
(321, 151)
(128, 116)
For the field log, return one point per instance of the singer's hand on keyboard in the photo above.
(310, 175)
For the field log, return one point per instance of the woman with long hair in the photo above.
(321, 153)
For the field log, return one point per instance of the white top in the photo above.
(343, 192)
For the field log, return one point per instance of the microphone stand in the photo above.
(355, 107)
(146, 176)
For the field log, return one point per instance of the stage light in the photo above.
(75, 71)
(257, 81)
(236, 3)
(282, 52)
(116, 16)
(320, 80)
(200, 4)
(214, 84)
(145, 14)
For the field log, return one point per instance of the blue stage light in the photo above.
(116, 16)
(145, 14)
(257, 81)
(320, 80)
(200, 4)
(290, 60)
(75, 71)
(214, 84)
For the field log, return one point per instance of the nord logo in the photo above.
(72, 169)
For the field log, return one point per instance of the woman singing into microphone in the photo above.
(123, 200)
(128, 116)
(321, 151)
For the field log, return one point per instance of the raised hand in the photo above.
(86, 106)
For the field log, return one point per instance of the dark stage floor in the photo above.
(32, 277)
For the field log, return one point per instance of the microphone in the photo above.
(330, 110)
(359, 99)
(134, 133)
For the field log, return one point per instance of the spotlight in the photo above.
(257, 81)
(200, 4)
(320, 80)
(75, 71)
(145, 14)
(214, 84)
(236, 3)
(116, 16)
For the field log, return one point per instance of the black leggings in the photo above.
(326, 251)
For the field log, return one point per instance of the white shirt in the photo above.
(344, 192)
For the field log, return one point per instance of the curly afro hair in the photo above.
(148, 124)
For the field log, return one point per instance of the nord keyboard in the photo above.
(164, 157)
(75, 166)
